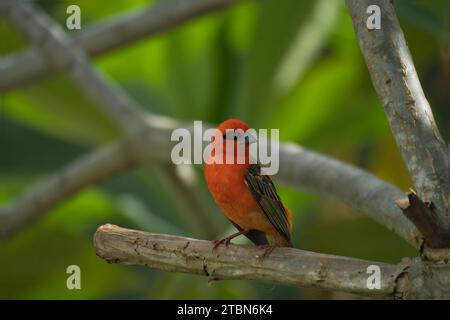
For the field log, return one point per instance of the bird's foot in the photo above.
(226, 241)
(268, 248)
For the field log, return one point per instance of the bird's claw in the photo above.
(217, 243)
(226, 241)
(268, 248)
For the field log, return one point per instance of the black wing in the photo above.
(255, 236)
(263, 189)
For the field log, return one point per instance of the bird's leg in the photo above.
(226, 241)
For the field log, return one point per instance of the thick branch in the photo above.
(411, 120)
(284, 265)
(357, 188)
(111, 34)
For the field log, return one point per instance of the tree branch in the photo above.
(284, 265)
(39, 199)
(408, 111)
(113, 33)
(316, 173)
(50, 38)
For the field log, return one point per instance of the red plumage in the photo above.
(236, 189)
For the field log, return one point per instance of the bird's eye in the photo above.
(230, 136)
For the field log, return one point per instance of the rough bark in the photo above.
(284, 265)
(424, 280)
(424, 216)
(409, 114)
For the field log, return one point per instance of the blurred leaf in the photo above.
(38, 257)
(145, 81)
(335, 229)
(20, 143)
(12, 40)
(241, 21)
(316, 99)
(419, 14)
(56, 106)
(136, 211)
(287, 37)
(185, 286)
(191, 67)
(306, 45)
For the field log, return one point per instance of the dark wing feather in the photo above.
(263, 189)
(255, 236)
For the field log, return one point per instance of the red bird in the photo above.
(248, 198)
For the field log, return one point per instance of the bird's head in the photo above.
(232, 124)
(237, 130)
(233, 139)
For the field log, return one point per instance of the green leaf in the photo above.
(422, 16)
(288, 36)
(56, 106)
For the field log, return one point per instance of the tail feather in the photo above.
(282, 241)
(257, 237)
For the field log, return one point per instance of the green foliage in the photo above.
(293, 65)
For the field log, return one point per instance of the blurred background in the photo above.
(293, 65)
